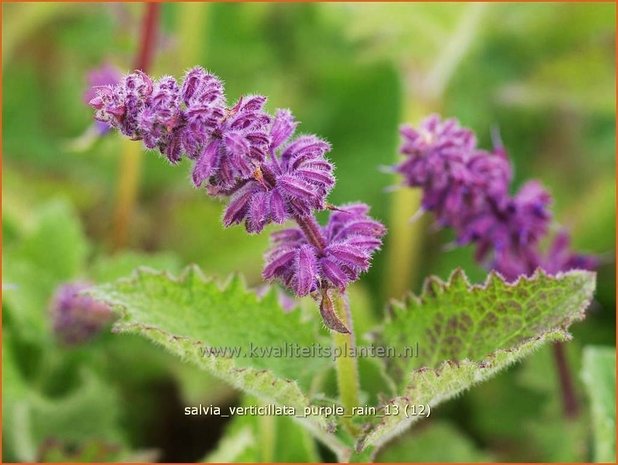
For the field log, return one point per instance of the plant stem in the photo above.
(126, 195)
(311, 230)
(567, 388)
(132, 153)
(347, 366)
(148, 39)
(267, 437)
(422, 98)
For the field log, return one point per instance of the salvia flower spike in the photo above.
(269, 174)
(467, 189)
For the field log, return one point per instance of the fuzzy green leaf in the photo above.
(192, 316)
(599, 375)
(467, 333)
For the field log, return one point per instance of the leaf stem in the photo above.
(346, 363)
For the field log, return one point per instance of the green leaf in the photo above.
(264, 439)
(88, 413)
(192, 314)
(428, 445)
(53, 252)
(467, 333)
(599, 375)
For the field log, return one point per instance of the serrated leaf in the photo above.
(599, 375)
(467, 333)
(192, 314)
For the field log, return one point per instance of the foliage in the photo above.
(599, 375)
(466, 334)
(351, 73)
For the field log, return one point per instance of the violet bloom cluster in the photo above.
(105, 75)
(77, 318)
(269, 174)
(468, 190)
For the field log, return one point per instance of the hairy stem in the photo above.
(346, 363)
(132, 154)
(567, 388)
(311, 230)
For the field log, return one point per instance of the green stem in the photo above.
(346, 364)
(268, 437)
(192, 32)
(131, 160)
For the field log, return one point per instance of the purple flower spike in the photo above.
(468, 190)
(161, 117)
(202, 94)
(293, 184)
(241, 152)
(243, 140)
(77, 318)
(350, 238)
(201, 88)
(436, 147)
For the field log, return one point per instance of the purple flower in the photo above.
(77, 318)
(105, 75)
(226, 144)
(243, 153)
(561, 258)
(434, 152)
(468, 190)
(237, 146)
(329, 256)
(290, 184)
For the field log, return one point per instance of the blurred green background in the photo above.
(543, 74)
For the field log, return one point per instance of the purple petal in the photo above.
(279, 261)
(283, 127)
(238, 206)
(310, 146)
(277, 207)
(236, 143)
(351, 256)
(316, 177)
(306, 270)
(258, 212)
(205, 164)
(295, 188)
(334, 273)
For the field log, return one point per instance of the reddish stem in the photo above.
(148, 37)
(311, 229)
(569, 397)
